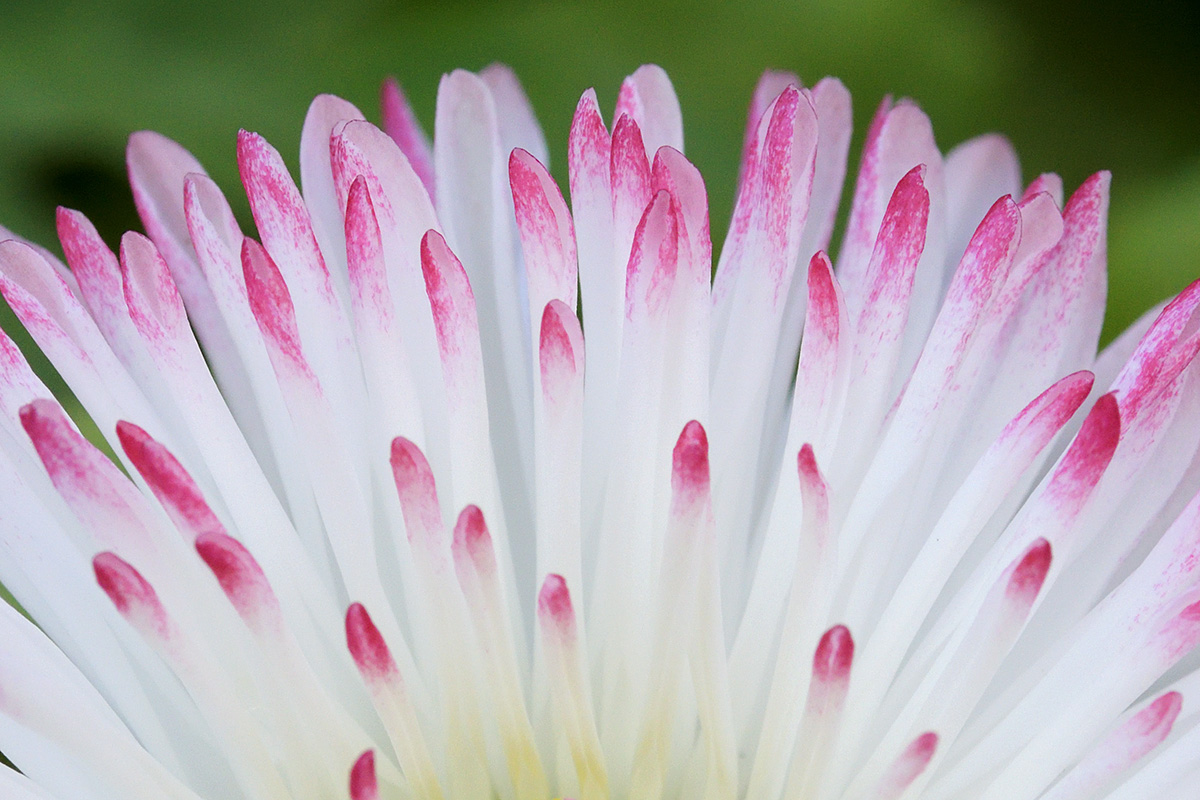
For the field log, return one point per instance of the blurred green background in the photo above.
(1078, 86)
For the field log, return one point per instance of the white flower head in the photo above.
(442, 489)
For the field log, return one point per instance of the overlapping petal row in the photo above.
(439, 488)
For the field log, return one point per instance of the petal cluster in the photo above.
(436, 486)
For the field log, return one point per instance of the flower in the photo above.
(893, 530)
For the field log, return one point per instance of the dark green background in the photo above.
(1078, 86)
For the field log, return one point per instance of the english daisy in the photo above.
(435, 487)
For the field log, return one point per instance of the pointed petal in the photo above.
(648, 97)
(629, 176)
(519, 127)
(547, 233)
(1121, 749)
(401, 124)
(169, 481)
(569, 687)
(907, 767)
(362, 778)
(899, 139)
(325, 114)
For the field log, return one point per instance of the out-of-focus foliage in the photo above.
(1078, 86)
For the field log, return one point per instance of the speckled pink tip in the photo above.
(132, 594)
(1029, 574)
(168, 480)
(270, 301)
(834, 655)
(240, 576)
(554, 603)
(363, 785)
(367, 647)
(416, 487)
(689, 462)
(472, 539)
(1094, 445)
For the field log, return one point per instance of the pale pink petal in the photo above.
(772, 209)
(1047, 182)
(673, 173)
(900, 138)
(95, 268)
(908, 766)
(770, 85)
(338, 480)
(475, 566)
(66, 333)
(589, 164)
(831, 101)
(800, 689)
(169, 481)
(279, 211)
(158, 170)
(418, 493)
(825, 352)
(1062, 312)
(676, 608)
(363, 785)
(648, 98)
(316, 177)
(654, 259)
(268, 431)
(390, 384)
(157, 167)
(454, 313)
(151, 298)
(401, 124)
(629, 177)
(1121, 749)
(519, 127)
(972, 294)
(688, 327)
(53, 260)
(18, 383)
(454, 318)
(891, 271)
(831, 664)
(601, 282)
(390, 697)
(746, 322)
(977, 172)
(547, 233)
(569, 686)
(242, 580)
(271, 302)
(287, 232)
(110, 509)
(476, 212)
(404, 214)
(558, 449)
(882, 318)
